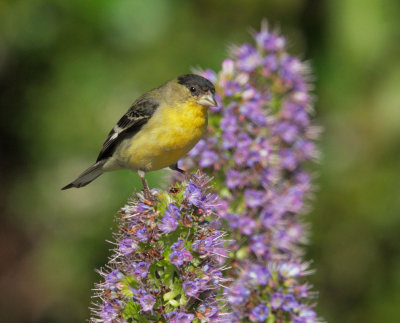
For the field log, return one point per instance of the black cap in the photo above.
(198, 82)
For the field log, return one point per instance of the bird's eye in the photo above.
(193, 89)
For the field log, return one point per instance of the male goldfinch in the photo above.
(159, 128)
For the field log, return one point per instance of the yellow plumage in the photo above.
(157, 146)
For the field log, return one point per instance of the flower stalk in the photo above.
(168, 259)
(259, 147)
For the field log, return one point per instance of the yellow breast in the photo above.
(166, 137)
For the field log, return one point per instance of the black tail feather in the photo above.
(87, 176)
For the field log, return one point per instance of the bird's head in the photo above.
(198, 88)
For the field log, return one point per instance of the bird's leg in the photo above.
(146, 190)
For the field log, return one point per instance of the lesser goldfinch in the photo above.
(157, 130)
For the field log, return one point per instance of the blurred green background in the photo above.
(69, 69)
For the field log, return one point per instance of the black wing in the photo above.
(138, 114)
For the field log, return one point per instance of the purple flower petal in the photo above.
(127, 246)
(169, 224)
(147, 302)
(259, 313)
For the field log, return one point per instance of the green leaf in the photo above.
(171, 294)
(131, 310)
(242, 253)
(271, 318)
(173, 302)
(127, 283)
(183, 300)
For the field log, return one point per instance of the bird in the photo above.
(158, 129)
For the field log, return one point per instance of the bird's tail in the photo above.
(87, 176)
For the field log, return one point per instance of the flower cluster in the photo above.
(259, 143)
(168, 259)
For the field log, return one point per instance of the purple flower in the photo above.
(173, 210)
(231, 88)
(290, 269)
(237, 294)
(305, 149)
(198, 148)
(289, 159)
(287, 131)
(277, 300)
(210, 75)
(305, 315)
(259, 313)
(248, 58)
(187, 256)
(110, 310)
(113, 278)
(259, 245)
(258, 275)
(253, 198)
(176, 258)
(147, 302)
(234, 317)
(233, 178)
(253, 112)
(228, 66)
(274, 43)
(169, 224)
(241, 156)
(191, 288)
(262, 138)
(262, 37)
(179, 245)
(141, 269)
(291, 70)
(268, 219)
(228, 140)
(208, 158)
(294, 199)
(207, 309)
(247, 225)
(142, 207)
(203, 246)
(185, 318)
(171, 316)
(193, 194)
(270, 41)
(127, 246)
(290, 303)
(302, 291)
(141, 234)
(229, 123)
(243, 140)
(295, 113)
(233, 220)
(270, 64)
(175, 317)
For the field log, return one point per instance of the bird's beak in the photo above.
(207, 100)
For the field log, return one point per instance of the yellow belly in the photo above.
(165, 138)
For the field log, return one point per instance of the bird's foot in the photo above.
(148, 196)
(146, 191)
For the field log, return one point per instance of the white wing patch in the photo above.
(117, 130)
